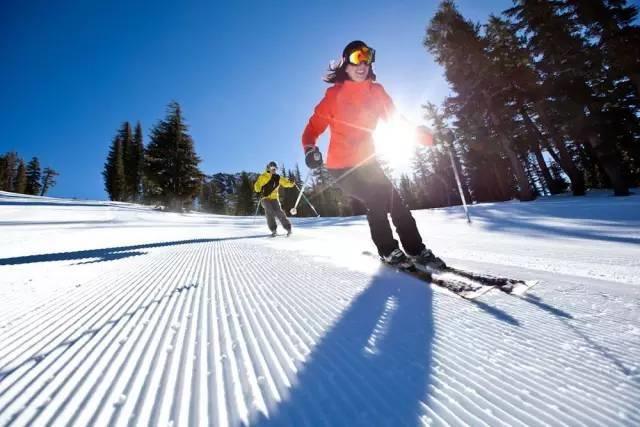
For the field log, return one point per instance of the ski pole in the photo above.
(308, 202)
(257, 209)
(455, 172)
(293, 210)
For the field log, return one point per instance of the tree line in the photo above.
(546, 96)
(25, 178)
(165, 172)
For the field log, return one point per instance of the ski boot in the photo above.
(397, 258)
(429, 260)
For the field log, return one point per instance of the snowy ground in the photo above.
(114, 313)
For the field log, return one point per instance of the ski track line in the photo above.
(477, 346)
(584, 367)
(91, 327)
(138, 392)
(497, 376)
(122, 364)
(279, 280)
(66, 303)
(16, 310)
(279, 298)
(313, 308)
(183, 336)
(25, 323)
(88, 298)
(55, 343)
(274, 279)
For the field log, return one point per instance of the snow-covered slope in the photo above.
(114, 314)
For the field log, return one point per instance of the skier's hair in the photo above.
(337, 72)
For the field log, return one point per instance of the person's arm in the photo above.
(318, 122)
(388, 108)
(260, 182)
(286, 183)
(424, 136)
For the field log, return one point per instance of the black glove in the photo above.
(313, 157)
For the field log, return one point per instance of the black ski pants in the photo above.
(370, 185)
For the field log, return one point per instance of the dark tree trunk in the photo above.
(576, 176)
(552, 185)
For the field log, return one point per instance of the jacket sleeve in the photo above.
(260, 182)
(286, 183)
(387, 107)
(319, 120)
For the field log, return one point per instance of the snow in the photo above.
(113, 313)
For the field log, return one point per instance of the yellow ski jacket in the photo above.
(268, 185)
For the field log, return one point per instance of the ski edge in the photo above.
(438, 284)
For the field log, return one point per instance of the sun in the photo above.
(395, 142)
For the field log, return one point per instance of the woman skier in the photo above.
(352, 108)
(267, 184)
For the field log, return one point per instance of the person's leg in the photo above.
(269, 213)
(282, 216)
(401, 216)
(405, 224)
(358, 184)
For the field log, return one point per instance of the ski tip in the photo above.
(521, 288)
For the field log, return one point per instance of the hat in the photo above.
(272, 164)
(354, 45)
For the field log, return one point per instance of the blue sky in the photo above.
(246, 74)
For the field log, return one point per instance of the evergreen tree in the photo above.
(21, 178)
(135, 166)
(171, 163)
(113, 173)
(211, 198)
(33, 177)
(611, 24)
(48, 180)
(126, 139)
(8, 170)
(574, 73)
(458, 46)
(246, 200)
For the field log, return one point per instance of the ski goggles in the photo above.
(363, 54)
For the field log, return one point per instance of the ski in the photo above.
(461, 286)
(508, 285)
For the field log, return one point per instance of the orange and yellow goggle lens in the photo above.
(364, 54)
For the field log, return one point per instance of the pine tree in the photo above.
(458, 46)
(171, 163)
(573, 72)
(33, 177)
(246, 201)
(113, 173)
(8, 169)
(126, 140)
(48, 180)
(21, 178)
(211, 198)
(611, 24)
(135, 167)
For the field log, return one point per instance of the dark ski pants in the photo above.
(273, 210)
(370, 185)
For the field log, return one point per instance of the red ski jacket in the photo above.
(352, 110)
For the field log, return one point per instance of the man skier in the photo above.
(267, 184)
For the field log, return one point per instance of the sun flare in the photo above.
(395, 142)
